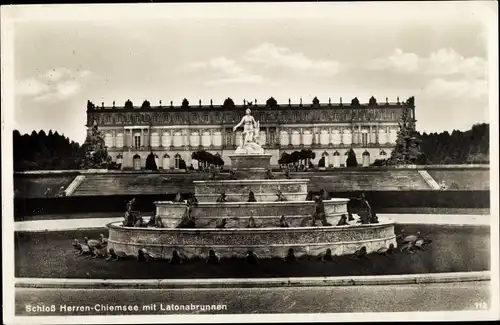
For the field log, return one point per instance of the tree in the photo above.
(182, 164)
(206, 157)
(37, 151)
(351, 159)
(94, 152)
(407, 150)
(151, 162)
(321, 162)
(285, 159)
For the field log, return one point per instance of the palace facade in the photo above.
(173, 133)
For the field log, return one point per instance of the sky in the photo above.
(64, 56)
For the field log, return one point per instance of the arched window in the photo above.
(327, 160)
(119, 159)
(157, 161)
(366, 159)
(137, 162)
(177, 161)
(166, 161)
(336, 159)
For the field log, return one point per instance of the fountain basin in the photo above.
(266, 214)
(170, 212)
(264, 190)
(265, 242)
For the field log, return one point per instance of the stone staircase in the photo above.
(136, 184)
(345, 181)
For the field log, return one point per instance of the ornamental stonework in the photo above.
(229, 117)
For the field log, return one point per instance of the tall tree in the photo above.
(151, 162)
(94, 152)
(407, 150)
(351, 159)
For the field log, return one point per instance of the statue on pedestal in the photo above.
(250, 135)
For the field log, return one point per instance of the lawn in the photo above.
(454, 249)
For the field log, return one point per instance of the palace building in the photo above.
(173, 133)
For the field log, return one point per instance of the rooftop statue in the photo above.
(250, 135)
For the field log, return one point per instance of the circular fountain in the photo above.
(267, 237)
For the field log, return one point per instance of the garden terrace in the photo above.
(30, 187)
(465, 179)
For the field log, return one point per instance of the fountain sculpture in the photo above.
(281, 219)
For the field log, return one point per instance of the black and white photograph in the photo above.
(250, 162)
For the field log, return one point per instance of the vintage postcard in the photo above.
(250, 162)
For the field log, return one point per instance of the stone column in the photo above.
(370, 134)
(301, 136)
(171, 137)
(160, 133)
(223, 137)
(290, 136)
(341, 132)
(131, 137)
(113, 139)
(211, 137)
(146, 137)
(142, 137)
(359, 134)
(376, 134)
(200, 132)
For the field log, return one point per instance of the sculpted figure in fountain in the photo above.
(250, 135)
(251, 197)
(319, 213)
(131, 217)
(222, 198)
(281, 197)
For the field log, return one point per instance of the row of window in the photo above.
(284, 140)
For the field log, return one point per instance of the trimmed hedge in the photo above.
(145, 203)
